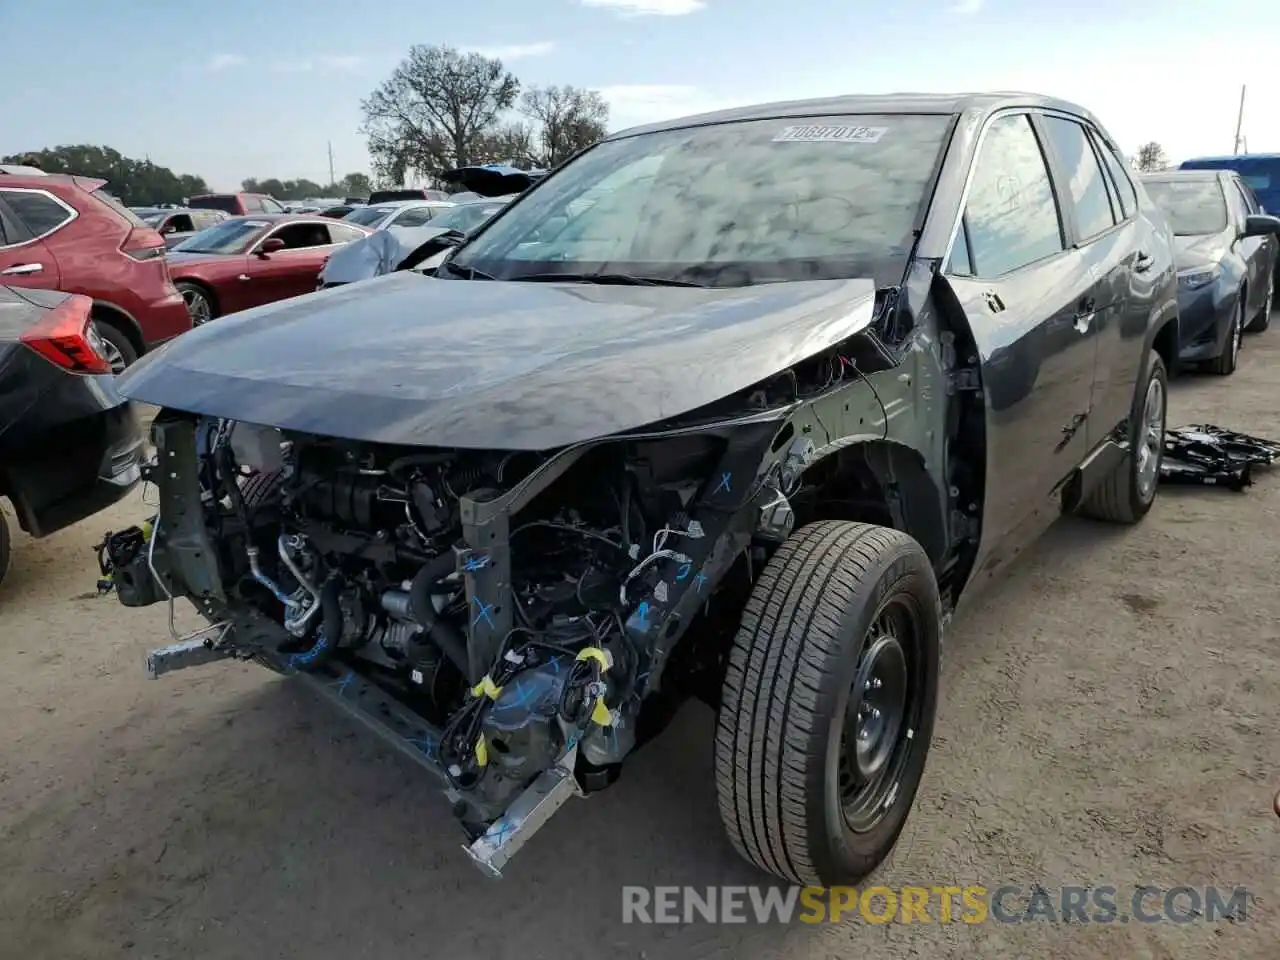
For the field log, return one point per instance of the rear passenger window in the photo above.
(1011, 213)
(1086, 187)
(253, 205)
(1120, 178)
(38, 212)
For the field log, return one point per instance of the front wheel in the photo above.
(1263, 319)
(199, 302)
(1225, 363)
(828, 703)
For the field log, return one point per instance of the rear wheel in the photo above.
(1127, 494)
(828, 703)
(116, 346)
(4, 545)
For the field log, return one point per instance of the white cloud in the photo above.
(324, 63)
(513, 51)
(967, 7)
(633, 104)
(223, 61)
(649, 8)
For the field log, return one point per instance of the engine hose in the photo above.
(423, 612)
(327, 636)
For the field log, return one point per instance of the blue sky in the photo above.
(259, 87)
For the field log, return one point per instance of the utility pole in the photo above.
(1239, 121)
(333, 179)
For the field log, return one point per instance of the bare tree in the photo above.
(434, 111)
(511, 144)
(566, 119)
(1151, 156)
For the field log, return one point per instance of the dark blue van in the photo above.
(1261, 171)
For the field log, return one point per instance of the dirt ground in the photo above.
(1108, 717)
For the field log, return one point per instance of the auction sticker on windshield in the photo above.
(828, 134)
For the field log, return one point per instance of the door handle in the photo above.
(1084, 315)
(22, 270)
(1143, 262)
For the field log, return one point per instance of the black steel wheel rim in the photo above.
(885, 708)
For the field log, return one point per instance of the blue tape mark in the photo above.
(485, 613)
(345, 681)
(700, 580)
(642, 615)
(683, 572)
(726, 483)
(523, 698)
(476, 562)
(426, 744)
(307, 656)
(499, 830)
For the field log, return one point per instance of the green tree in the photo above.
(435, 110)
(136, 182)
(355, 185)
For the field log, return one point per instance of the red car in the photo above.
(248, 261)
(236, 204)
(66, 233)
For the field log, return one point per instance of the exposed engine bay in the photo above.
(509, 617)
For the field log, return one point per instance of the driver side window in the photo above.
(1012, 213)
(300, 236)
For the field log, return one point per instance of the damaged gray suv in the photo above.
(734, 407)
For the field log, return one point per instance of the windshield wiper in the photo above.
(621, 279)
(467, 273)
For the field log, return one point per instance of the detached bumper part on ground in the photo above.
(1205, 455)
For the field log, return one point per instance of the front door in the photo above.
(292, 271)
(1029, 302)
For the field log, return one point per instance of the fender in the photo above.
(130, 326)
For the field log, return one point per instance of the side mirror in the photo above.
(275, 244)
(1261, 225)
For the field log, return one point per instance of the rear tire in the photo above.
(795, 797)
(5, 545)
(1128, 493)
(121, 352)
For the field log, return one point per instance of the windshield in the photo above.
(1193, 207)
(727, 204)
(231, 236)
(466, 217)
(370, 216)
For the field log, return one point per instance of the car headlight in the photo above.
(1199, 277)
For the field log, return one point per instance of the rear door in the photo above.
(1024, 293)
(1105, 231)
(1258, 253)
(27, 219)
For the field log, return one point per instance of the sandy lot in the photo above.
(1108, 718)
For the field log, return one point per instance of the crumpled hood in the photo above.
(1198, 251)
(416, 360)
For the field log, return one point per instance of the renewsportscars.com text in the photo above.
(969, 904)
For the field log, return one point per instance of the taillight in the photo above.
(65, 337)
(143, 243)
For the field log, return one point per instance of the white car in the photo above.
(399, 213)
